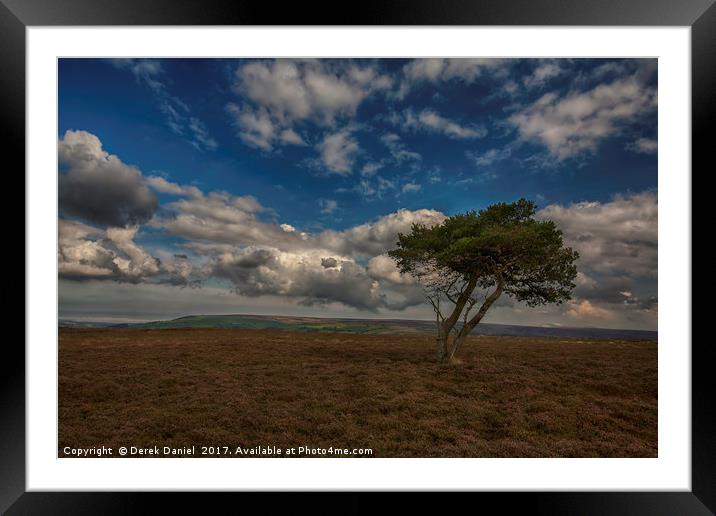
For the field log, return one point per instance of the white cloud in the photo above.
(384, 268)
(618, 237)
(89, 253)
(255, 126)
(576, 123)
(86, 252)
(374, 238)
(489, 157)
(544, 72)
(430, 121)
(338, 150)
(289, 136)
(644, 146)
(261, 258)
(618, 261)
(162, 185)
(586, 310)
(284, 93)
(371, 168)
(410, 188)
(299, 274)
(220, 217)
(436, 70)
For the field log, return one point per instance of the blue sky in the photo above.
(177, 173)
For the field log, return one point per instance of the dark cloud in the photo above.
(254, 258)
(98, 187)
(329, 263)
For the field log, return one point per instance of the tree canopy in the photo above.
(501, 248)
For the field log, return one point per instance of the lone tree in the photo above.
(478, 256)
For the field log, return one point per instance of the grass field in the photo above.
(507, 397)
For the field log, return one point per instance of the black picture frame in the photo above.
(16, 15)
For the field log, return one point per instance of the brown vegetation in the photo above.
(507, 396)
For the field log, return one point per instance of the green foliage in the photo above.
(502, 245)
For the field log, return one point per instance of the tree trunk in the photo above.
(470, 325)
(442, 345)
(456, 345)
(442, 350)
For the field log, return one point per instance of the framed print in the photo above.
(426, 252)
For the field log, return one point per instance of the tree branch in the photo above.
(465, 294)
(485, 306)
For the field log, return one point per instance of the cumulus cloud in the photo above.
(86, 252)
(90, 253)
(255, 127)
(586, 310)
(384, 268)
(266, 258)
(617, 243)
(430, 121)
(436, 70)
(220, 217)
(98, 187)
(615, 237)
(377, 237)
(305, 275)
(234, 221)
(282, 94)
(576, 123)
(445, 69)
(338, 150)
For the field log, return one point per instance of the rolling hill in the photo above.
(360, 326)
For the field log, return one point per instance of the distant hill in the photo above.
(372, 326)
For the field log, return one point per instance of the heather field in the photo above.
(506, 396)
